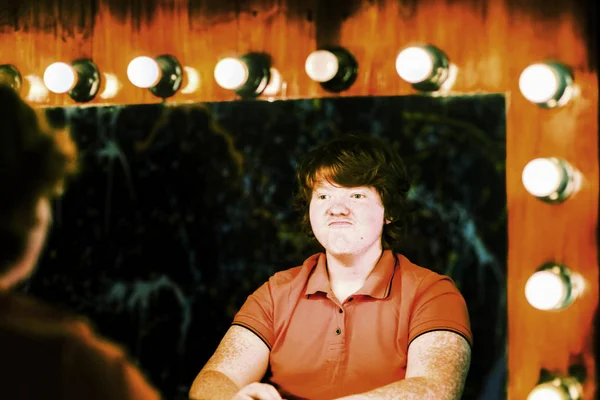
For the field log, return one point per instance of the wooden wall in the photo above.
(491, 42)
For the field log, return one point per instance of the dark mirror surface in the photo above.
(180, 212)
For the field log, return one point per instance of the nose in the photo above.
(338, 208)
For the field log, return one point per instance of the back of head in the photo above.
(34, 162)
(359, 160)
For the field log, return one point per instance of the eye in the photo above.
(321, 196)
(358, 196)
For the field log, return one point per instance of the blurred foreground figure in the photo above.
(45, 353)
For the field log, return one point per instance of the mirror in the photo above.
(180, 212)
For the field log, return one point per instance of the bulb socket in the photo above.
(11, 77)
(259, 74)
(564, 91)
(347, 70)
(88, 81)
(439, 72)
(171, 77)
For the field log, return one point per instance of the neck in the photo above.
(352, 268)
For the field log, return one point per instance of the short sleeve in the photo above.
(439, 305)
(257, 314)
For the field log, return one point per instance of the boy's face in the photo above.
(346, 221)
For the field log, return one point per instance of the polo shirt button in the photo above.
(341, 311)
(338, 331)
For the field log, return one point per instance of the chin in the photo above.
(342, 252)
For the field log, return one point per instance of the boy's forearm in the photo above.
(212, 385)
(416, 388)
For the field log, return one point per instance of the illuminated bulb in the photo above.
(248, 75)
(414, 64)
(80, 79)
(161, 75)
(566, 388)
(38, 92)
(546, 84)
(143, 72)
(451, 79)
(550, 179)
(547, 391)
(321, 66)
(552, 287)
(60, 77)
(426, 68)
(545, 290)
(231, 73)
(274, 85)
(542, 177)
(193, 80)
(111, 86)
(334, 68)
(538, 83)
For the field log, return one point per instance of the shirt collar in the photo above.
(318, 280)
(377, 285)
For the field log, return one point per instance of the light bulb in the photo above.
(231, 73)
(335, 68)
(274, 85)
(143, 72)
(541, 177)
(193, 80)
(414, 64)
(38, 92)
(321, 66)
(247, 75)
(111, 86)
(60, 77)
(558, 388)
(546, 290)
(538, 83)
(550, 179)
(547, 391)
(426, 68)
(553, 287)
(546, 84)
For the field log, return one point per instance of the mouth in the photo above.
(339, 223)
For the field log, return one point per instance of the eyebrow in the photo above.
(322, 188)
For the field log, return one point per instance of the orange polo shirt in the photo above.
(321, 349)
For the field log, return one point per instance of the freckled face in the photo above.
(346, 221)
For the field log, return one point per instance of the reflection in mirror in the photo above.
(180, 212)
